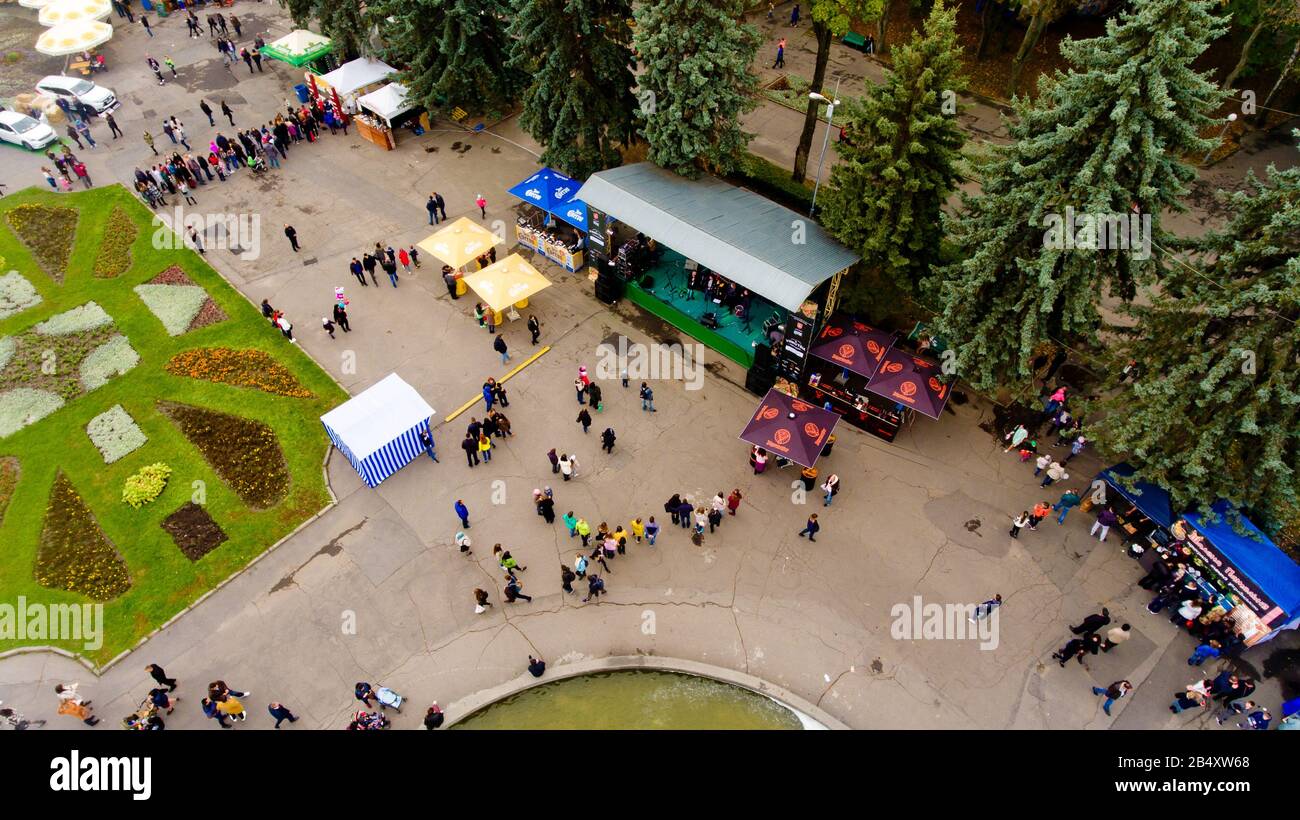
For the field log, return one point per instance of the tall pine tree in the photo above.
(455, 52)
(579, 103)
(1104, 139)
(886, 195)
(697, 82)
(1215, 411)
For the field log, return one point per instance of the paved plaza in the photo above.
(924, 516)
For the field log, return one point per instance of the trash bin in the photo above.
(303, 92)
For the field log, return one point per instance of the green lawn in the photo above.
(163, 580)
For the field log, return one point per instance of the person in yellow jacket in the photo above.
(485, 447)
(638, 529)
(232, 708)
(584, 530)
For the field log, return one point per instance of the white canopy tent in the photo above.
(357, 74)
(378, 430)
(387, 103)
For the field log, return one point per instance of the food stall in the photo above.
(839, 366)
(1241, 573)
(345, 85)
(556, 227)
(384, 105)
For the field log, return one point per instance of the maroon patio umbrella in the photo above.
(853, 345)
(790, 427)
(912, 381)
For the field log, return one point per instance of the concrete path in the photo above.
(375, 590)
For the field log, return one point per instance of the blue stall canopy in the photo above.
(556, 194)
(1151, 501)
(1267, 580)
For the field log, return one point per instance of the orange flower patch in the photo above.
(241, 368)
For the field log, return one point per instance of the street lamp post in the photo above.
(830, 116)
(1231, 119)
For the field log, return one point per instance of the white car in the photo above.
(21, 129)
(97, 97)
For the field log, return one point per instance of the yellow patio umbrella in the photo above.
(69, 38)
(507, 282)
(72, 11)
(34, 4)
(459, 243)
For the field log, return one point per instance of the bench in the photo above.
(856, 41)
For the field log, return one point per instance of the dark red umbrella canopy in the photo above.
(799, 439)
(853, 345)
(911, 381)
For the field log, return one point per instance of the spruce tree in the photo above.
(1107, 139)
(456, 52)
(347, 24)
(886, 195)
(579, 103)
(1215, 410)
(697, 82)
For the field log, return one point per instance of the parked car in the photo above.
(97, 97)
(21, 129)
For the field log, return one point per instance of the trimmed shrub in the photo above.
(146, 485)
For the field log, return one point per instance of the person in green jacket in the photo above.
(1069, 499)
(571, 522)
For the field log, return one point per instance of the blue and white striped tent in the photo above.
(379, 429)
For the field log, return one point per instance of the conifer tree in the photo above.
(1106, 140)
(579, 103)
(886, 195)
(455, 52)
(1215, 410)
(697, 82)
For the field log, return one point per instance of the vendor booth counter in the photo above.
(539, 241)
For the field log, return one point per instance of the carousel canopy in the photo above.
(460, 242)
(72, 11)
(506, 282)
(356, 74)
(298, 47)
(69, 38)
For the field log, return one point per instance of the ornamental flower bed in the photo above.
(74, 553)
(115, 433)
(48, 232)
(23, 406)
(66, 356)
(178, 303)
(112, 358)
(242, 368)
(194, 531)
(114, 257)
(80, 319)
(8, 483)
(244, 452)
(16, 293)
(146, 485)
